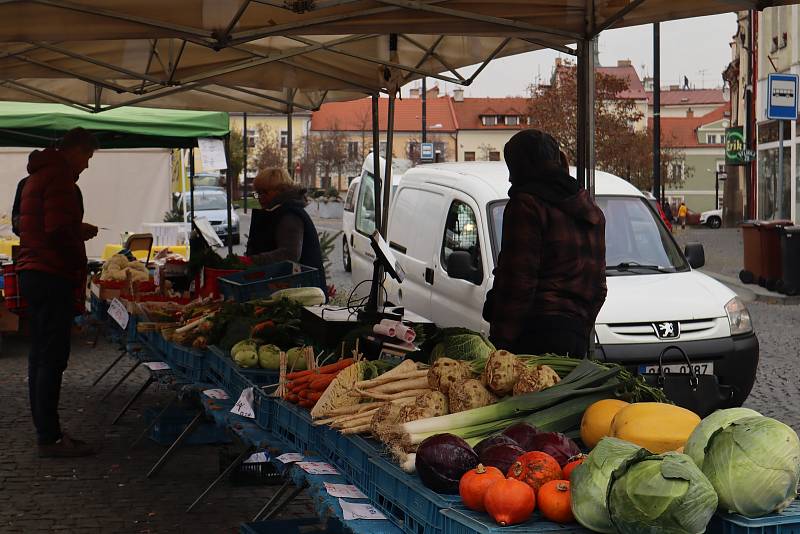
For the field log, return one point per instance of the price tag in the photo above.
(216, 394)
(157, 366)
(291, 457)
(317, 468)
(357, 510)
(212, 154)
(257, 458)
(244, 406)
(118, 312)
(347, 491)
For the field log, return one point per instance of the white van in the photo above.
(362, 193)
(656, 298)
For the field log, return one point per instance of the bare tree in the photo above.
(268, 151)
(486, 149)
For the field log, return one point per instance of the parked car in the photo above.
(354, 193)
(211, 203)
(711, 218)
(651, 199)
(656, 298)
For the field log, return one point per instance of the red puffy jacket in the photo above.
(51, 213)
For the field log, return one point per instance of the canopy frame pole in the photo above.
(191, 183)
(229, 192)
(387, 175)
(616, 17)
(289, 137)
(33, 91)
(489, 59)
(553, 46)
(431, 52)
(245, 148)
(371, 309)
(173, 68)
(657, 112)
(239, 99)
(88, 79)
(234, 21)
(287, 101)
(586, 101)
(367, 90)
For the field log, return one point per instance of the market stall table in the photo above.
(111, 249)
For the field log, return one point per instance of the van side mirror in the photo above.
(696, 255)
(461, 266)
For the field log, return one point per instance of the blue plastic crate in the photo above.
(292, 424)
(405, 500)
(187, 363)
(170, 425)
(264, 281)
(459, 520)
(350, 454)
(786, 522)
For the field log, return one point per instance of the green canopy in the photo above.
(41, 125)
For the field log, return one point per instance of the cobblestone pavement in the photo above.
(109, 492)
(723, 248)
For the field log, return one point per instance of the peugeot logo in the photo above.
(667, 330)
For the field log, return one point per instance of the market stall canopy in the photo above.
(36, 125)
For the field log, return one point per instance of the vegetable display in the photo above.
(474, 484)
(510, 502)
(696, 445)
(597, 419)
(442, 460)
(655, 426)
(535, 469)
(553, 500)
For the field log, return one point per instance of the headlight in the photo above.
(738, 317)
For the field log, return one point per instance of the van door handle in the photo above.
(370, 255)
(429, 275)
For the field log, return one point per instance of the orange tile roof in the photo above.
(689, 97)
(469, 112)
(356, 115)
(628, 73)
(681, 132)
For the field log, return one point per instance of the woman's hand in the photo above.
(88, 231)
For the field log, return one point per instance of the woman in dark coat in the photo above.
(282, 230)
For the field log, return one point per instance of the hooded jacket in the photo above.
(50, 217)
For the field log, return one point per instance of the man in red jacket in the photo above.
(51, 266)
(550, 279)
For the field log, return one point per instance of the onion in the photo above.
(442, 460)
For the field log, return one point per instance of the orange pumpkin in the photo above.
(536, 469)
(574, 462)
(473, 485)
(509, 502)
(555, 502)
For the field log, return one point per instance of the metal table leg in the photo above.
(278, 494)
(121, 380)
(277, 509)
(138, 394)
(236, 463)
(153, 422)
(177, 443)
(104, 373)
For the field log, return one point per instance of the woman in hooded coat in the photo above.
(282, 230)
(549, 283)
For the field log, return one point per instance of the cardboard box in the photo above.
(105, 293)
(9, 321)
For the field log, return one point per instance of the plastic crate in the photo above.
(459, 520)
(249, 474)
(292, 424)
(786, 522)
(406, 501)
(175, 420)
(264, 281)
(208, 281)
(187, 363)
(350, 454)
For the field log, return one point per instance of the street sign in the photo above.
(734, 146)
(782, 96)
(426, 151)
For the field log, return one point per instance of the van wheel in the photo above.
(346, 262)
(714, 222)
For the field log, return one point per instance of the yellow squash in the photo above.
(655, 426)
(596, 421)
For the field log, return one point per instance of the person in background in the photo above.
(550, 280)
(282, 230)
(51, 266)
(683, 211)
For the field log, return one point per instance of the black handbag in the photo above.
(701, 394)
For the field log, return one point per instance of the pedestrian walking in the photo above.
(683, 211)
(52, 266)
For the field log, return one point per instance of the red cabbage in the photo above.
(501, 456)
(442, 460)
(523, 434)
(496, 439)
(556, 445)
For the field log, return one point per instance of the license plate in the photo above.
(700, 368)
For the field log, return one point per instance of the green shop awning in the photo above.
(41, 125)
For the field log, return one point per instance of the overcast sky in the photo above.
(698, 48)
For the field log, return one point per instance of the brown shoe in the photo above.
(66, 447)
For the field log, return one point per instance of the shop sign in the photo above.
(735, 151)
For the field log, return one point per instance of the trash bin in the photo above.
(763, 259)
(790, 247)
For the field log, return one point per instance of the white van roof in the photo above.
(489, 179)
(399, 167)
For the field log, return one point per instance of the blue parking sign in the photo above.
(782, 96)
(426, 152)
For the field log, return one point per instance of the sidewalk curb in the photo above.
(754, 292)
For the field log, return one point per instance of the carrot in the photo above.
(307, 403)
(335, 366)
(291, 397)
(304, 379)
(322, 382)
(304, 393)
(297, 387)
(314, 395)
(298, 374)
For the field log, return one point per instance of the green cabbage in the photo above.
(589, 483)
(661, 494)
(468, 347)
(754, 465)
(269, 357)
(695, 447)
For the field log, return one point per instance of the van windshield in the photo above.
(636, 240)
